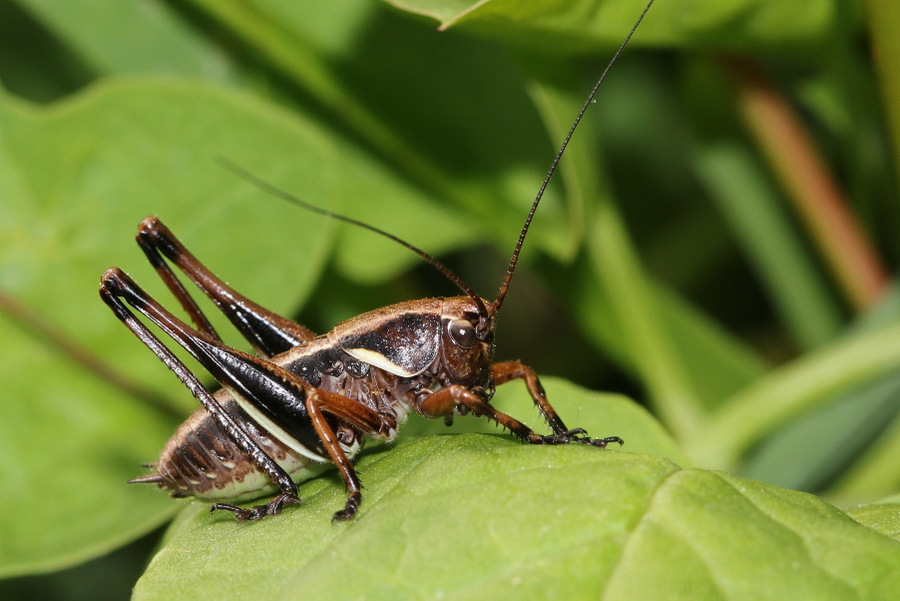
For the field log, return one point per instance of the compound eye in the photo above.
(462, 332)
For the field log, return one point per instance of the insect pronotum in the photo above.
(305, 400)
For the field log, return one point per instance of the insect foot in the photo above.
(574, 435)
(349, 510)
(258, 512)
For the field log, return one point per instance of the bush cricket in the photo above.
(305, 400)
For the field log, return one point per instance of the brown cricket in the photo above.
(305, 401)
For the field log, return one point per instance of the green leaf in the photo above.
(566, 25)
(801, 454)
(68, 444)
(881, 517)
(808, 382)
(80, 177)
(884, 20)
(716, 362)
(482, 517)
(130, 37)
(771, 243)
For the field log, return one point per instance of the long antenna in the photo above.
(267, 187)
(504, 287)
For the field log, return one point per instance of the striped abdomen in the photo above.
(200, 460)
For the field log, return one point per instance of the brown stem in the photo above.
(816, 196)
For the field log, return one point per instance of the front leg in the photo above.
(445, 401)
(514, 370)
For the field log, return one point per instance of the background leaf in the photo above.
(882, 517)
(555, 25)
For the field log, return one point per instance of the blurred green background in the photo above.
(719, 243)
